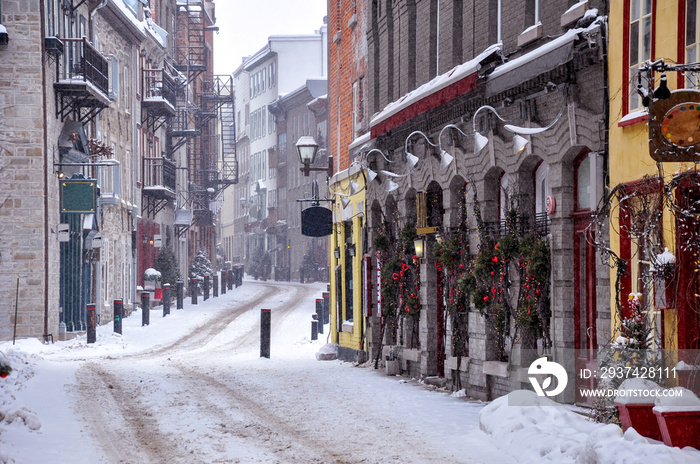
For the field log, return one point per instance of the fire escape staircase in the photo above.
(192, 53)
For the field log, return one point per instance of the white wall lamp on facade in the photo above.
(345, 202)
(445, 158)
(519, 142)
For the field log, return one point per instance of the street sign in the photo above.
(157, 241)
(63, 232)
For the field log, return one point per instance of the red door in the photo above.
(687, 249)
(584, 304)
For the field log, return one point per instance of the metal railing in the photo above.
(81, 61)
(159, 171)
(522, 225)
(158, 84)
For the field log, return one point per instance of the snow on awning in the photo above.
(445, 87)
(541, 60)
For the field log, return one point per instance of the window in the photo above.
(639, 45)
(355, 107)
(583, 184)
(692, 40)
(113, 78)
(542, 190)
(273, 79)
(282, 145)
(532, 12)
(495, 21)
(503, 202)
(263, 120)
(127, 90)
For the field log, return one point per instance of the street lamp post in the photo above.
(307, 148)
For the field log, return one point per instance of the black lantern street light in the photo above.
(307, 148)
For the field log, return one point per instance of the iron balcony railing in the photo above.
(537, 225)
(159, 85)
(159, 172)
(82, 62)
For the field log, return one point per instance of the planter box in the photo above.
(680, 426)
(639, 416)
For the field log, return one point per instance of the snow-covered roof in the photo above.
(440, 82)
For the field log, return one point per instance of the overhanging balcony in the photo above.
(159, 97)
(158, 184)
(82, 81)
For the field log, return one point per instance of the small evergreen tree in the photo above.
(201, 266)
(166, 264)
(308, 270)
(260, 265)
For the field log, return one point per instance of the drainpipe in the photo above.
(47, 163)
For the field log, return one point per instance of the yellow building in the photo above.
(651, 202)
(348, 277)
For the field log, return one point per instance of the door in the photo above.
(584, 304)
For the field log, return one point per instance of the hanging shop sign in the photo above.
(316, 221)
(78, 196)
(674, 127)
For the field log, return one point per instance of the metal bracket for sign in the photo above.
(316, 200)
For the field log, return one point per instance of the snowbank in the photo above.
(543, 431)
(637, 391)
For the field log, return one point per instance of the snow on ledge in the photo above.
(456, 74)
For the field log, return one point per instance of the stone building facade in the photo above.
(443, 77)
(90, 92)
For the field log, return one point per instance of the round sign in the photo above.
(550, 204)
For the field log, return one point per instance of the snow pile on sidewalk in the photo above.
(12, 413)
(328, 352)
(543, 431)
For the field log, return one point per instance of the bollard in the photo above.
(265, 323)
(145, 308)
(91, 323)
(180, 293)
(194, 290)
(206, 288)
(229, 276)
(224, 282)
(166, 299)
(326, 307)
(118, 314)
(215, 277)
(319, 314)
(314, 327)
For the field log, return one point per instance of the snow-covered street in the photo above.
(192, 388)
